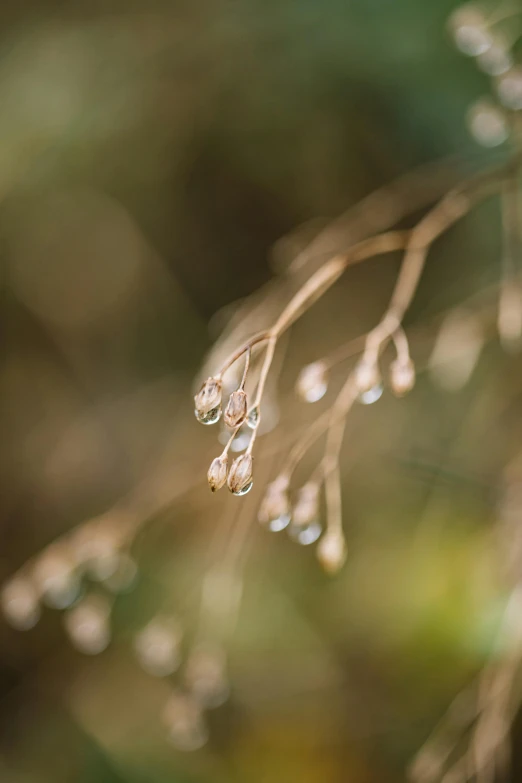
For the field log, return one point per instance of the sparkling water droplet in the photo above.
(211, 417)
(253, 418)
(279, 523)
(372, 395)
(245, 489)
(305, 534)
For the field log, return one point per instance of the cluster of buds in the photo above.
(238, 479)
(59, 577)
(302, 520)
(478, 35)
(204, 686)
(208, 411)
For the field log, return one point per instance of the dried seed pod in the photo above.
(331, 552)
(217, 473)
(312, 382)
(402, 377)
(207, 401)
(306, 509)
(240, 475)
(236, 410)
(274, 511)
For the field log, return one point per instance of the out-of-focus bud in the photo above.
(274, 511)
(183, 717)
(402, 376)
(157, 647)
(236, 410)
(367, 375)
(331, 552)
(312, 382)
(509, 89)
(207, 401)
(496, 60)
(87, 625)
(305, 527)
(217, 473)
(20, 604)
(509, 321)
(205, 675)
(240, 475)
(468, 27)
(487, 123)
(56, 578)
(456, 350)
(306, 508)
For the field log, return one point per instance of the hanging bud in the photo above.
(312, 382)
(306, 509)
(240, 475)
(402, 377)
(217, 473)
(331, 552)
(367, 375)
(274, 511)
(236, 410)
(208, 401)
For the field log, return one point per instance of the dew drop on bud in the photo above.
(312, 382)
(210, 417)
(207, 402)
(469, 29)
(305, 534)
(371, 395)
(366, 375)
(509, 89)
(487, 123)
(240, 475)
(253, 417)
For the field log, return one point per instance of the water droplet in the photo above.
(312, 382)
(253, 418)
(245, 489)
(372, 395)
(279, 523)
(305, 534)
(211, 417)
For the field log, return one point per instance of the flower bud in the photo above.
(217, 473)
(312, 382)
(274, 511)
(367, 375)
(331, 552)
(236, 410)
(208, 401)
(306, 508)
(240, 475)
(402, 377)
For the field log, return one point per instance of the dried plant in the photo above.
(472, 740)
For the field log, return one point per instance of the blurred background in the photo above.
(156, 162)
